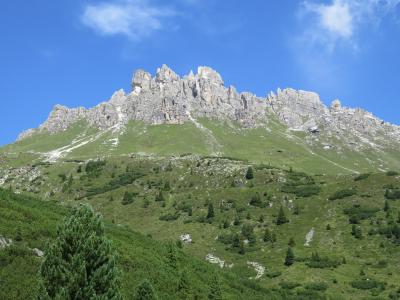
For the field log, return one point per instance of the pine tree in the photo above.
(210, 212)
(296, 210)
(386, 207)
(242, 249)
(80, 264)
(289, 259)
(267, 235)
(291, 242)
(145, 291)
(249, 173)
(167, 186)
(356, 231)
(160, 197)
(127, 199)
(281, 219)
(172, 256)
(215, 289)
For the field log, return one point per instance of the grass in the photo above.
(195, 182)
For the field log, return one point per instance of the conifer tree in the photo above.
(127, 198)
(172, 256)
(80, 263)
(267, 235)
(386, 207)
(281, 219)
(215, 289)
(291, 242)
(160, 197)
(145, 291)
(289, 259)
(210, 212)
(249, 173)
(242, 249)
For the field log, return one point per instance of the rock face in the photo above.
(167, 98)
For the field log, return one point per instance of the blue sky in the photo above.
(77, 53)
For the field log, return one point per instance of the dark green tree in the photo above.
(160, 197)
(296, 209)
(127, 198)
(249, 173)
(281, 219)
(242, 249)
(210, 212)
(172, 256)
(289, 259)
(356, 231)
(291, 242)
(267, 235)
(145, 291)
(167, 186)
(215, 289)
(80, 263)
(386, 207)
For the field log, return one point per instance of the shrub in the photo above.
(392, 173)
(342, 194)
(392, 194)
(169, 217)
(320, 262)
(316, 286)
(357, 213)
(367, 284)
(362, 177)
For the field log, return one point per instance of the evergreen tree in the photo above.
(328, 227)
(296, 210)
(249, 173)
(398, 217)
(386, 207)
(145, 291)
(80, 264)
(167, 186)
(273, 238)
(281, 219)
(236, 222)
(160, 197)
(289, 259)
(236, 241)
(356, 231)
(267, 235)
(242, 249)
(215, 289)
(172, 256)
(210, 212)
(127, 198)
(291, 242)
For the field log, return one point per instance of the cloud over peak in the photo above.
(133, 18)
(340, 20)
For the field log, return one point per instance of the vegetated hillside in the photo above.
(30, 223)
(342, 230)
(272, 144)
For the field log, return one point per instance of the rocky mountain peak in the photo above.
(167, 98)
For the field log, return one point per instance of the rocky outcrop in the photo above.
(167, 98)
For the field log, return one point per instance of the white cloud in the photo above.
(133, 18)
(340, 20)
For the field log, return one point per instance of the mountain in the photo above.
(279, 197)
(170, 115)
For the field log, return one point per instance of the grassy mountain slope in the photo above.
(139, 257)
(361, 265)
(274, 144)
